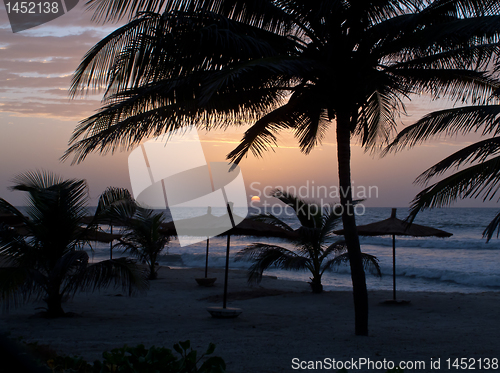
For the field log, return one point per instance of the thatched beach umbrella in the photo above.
(246, 227)
(91, 235)
(396, 227)
(203, 226)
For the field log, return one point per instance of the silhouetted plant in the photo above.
(46, 259)
(144, 239)
(314, 250)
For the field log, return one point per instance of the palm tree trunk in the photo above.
(316, 285)
(54, 304)
(152, 271)
(360, 293)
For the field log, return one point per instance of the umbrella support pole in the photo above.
(224, 303)
(394, 267)
(111, 244)
(226, 312)
(206, 260)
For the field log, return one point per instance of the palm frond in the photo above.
(478, 180)
(310, 215)
(377, 118)
(143, 237)
(69, 267)
(448, 122)
(477, 152)
(8, 208)
(262, 134)
(153, 46)
(370, 263)
(35, 180)
(464, 86)
(272, 220)
(270, 256)
(121, 273)
(264, 13)
(311, 126)
(14, 287)
(337, 248)
(116, 204)
(492, 226)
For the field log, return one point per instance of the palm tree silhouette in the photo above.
(48, 262)
(314, 250)
(294, 65)
(144, 239)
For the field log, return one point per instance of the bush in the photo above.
(137, 359)
(159, 359)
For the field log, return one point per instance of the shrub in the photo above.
(137, 359)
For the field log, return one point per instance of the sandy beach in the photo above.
(281, 321)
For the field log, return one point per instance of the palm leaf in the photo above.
(271, 220)
(270, 256)
(477, 152)
(448, 122)
(116, 204)
(120, 273)
(492, 226)
(309, 214)
(258, 12)
(478, 180)
(332, 216)
(14, 287)
(370, 263)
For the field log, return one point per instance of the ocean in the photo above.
(463, 263)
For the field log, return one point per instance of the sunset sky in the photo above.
(37, 118)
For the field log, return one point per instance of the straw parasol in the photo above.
(91, 235)
(202, 225)
(205, 225)
(396, 227)
(248, 227)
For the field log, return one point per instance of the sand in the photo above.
(281, 321)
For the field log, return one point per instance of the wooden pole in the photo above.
(111, 243)
(394, 267)
(206, 260)
(224, 303)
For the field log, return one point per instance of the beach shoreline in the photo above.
(281, 321)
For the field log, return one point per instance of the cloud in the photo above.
(36, 65)
(50, 108)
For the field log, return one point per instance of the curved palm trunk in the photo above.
(316, 286)
(153, 274)
(360, 293)
(54, 302)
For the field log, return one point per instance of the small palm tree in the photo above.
(314, 249)
(144, 239)
(47, 260)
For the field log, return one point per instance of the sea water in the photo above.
(462, 263)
